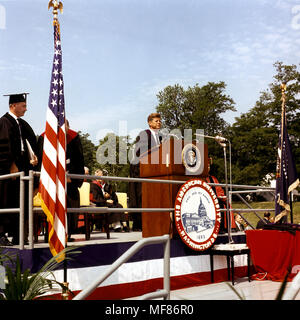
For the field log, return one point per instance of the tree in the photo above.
(112, 156)
(255, 134)
(89, 151)
(198, 108)
(195, 108)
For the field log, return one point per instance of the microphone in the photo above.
(221, 140)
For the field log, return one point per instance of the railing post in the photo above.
(30, 209)
(167, 268)
(21, 212)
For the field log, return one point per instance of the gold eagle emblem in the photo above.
(57, 5)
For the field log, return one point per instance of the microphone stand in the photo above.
(222, 142)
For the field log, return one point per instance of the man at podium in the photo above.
(149, 138)
(145, 140)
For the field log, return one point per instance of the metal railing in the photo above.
(165, 293)
(19, 210)
(250, 208)
(32, 211)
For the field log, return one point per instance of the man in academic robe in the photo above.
(146, 140)
(18, 150)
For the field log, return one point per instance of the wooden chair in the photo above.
(84, 194)
(122, 199)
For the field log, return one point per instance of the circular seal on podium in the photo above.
(197, 214)
(191, 158)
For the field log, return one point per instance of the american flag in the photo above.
(53, 171)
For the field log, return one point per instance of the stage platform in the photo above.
(254, 290)
(142, 273)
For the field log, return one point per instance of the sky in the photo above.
(118, 54)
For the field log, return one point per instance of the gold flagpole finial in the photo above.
(283, 108)
(283, 87)
(57, 5)
(283, 90)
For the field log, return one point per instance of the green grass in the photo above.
(252, 218)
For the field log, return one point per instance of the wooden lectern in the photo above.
(165, 162)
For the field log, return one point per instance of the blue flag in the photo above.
(286, 175)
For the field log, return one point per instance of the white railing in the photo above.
(32, 211)
(165, 293)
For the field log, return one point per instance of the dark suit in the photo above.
(75, 164)
(10, 152)
(10, 144)
(239, 227)
(260, 223)
(97, 197)
(144, 142)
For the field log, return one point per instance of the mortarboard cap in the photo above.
(17, 97)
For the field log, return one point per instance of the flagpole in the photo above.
(291, 207)
(57, 5)
(283, 124)
(283, 88)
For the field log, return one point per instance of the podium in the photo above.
(167, 162)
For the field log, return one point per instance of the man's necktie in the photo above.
(22, 144)
(157, 138)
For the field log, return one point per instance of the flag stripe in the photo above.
(50, 170)
(50, 151)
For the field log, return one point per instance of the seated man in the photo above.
(103, 195)
(266, 220)
(239, 223)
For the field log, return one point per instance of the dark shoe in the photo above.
(5, 242)
(118, 230)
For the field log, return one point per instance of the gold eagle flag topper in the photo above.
(56, 5)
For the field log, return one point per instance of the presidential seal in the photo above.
(197, 214)
(191, 158)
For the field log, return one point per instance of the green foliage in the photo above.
(89, 151)
(112, 156)
(198, 108)
(22, 285)
(254, 135)
(18, 283)
(195, 108)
